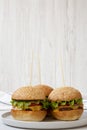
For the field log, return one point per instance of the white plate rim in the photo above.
(49, 124)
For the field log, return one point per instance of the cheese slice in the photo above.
(35, 108)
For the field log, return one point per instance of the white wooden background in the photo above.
(55, 30)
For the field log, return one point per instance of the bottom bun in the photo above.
(67, 115)
(28, 115)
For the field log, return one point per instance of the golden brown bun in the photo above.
(67, 115)
(28, 93)
(28, 115)
(46, 89)
(64, 94)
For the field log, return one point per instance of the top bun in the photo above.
(64, 94)
(46, 89)
(28, 93)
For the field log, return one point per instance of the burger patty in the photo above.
(68, 108)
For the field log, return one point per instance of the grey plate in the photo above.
(48, 123)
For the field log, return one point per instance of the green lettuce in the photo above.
(54, 105)
(45, 103)
(24, 105)
(71, 103)
(63, 103)
(21, 104)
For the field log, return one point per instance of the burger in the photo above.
(66, 103)
(28, 104)
(46, 89)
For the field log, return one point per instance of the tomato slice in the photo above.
(33, 104)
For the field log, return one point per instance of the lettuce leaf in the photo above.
(72, 103)
(54, 105)
(63, 103)
(21, 104)
(24, 105)
(45, 104)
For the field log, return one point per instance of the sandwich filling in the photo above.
(67, 105)
(32, 105)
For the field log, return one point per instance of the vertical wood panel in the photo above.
(70, 39)
(80, 70)
(54, 29)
